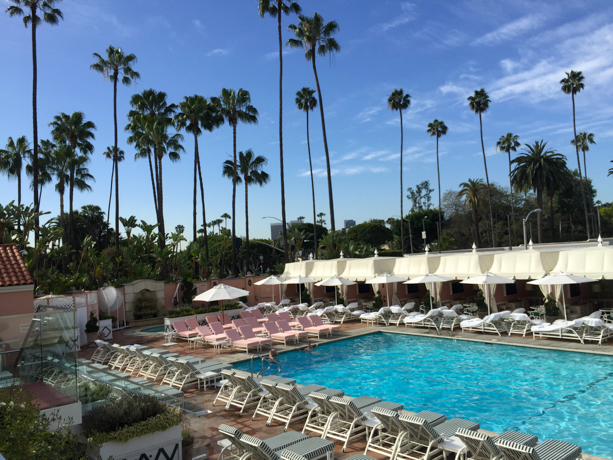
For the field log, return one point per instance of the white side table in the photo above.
(207, 379)
(219, 345)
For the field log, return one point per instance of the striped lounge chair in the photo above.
(482, 447)
(549, 450)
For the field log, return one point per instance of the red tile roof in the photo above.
(13, 270)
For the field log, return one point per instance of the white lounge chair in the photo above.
(429, 320)
(494, 322)
(597, 330)
(560, 329)
(373, 318)
(520, 323)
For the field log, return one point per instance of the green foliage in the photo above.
(187, 440)
(129, 417)
(378, 301)
(421, 197)
(426, 300)
(370, 233)
(92, 392)
(188, 293)
(480, 301)
(25, 434)
(551, 306)
(92, 324)
(307, 228)
(390, 253)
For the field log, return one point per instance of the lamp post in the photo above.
(509, 225)
(524, 222)
(423, 233)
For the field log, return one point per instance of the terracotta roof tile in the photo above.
(13, 270)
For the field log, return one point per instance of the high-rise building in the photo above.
(349, 223)
(276, 229)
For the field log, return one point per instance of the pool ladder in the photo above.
(264, 357)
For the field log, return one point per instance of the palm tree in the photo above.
(539, 169)
(75, 132)
(573, 84)
(116, 65)
(400, 101)
(50, 15)
(235, 106)
(584, 140)
(274, 8)
(109, 155)
(306, 102)
(479, 103)
(11, 162)
(45, 150)
(437, 128)
(250, 167)
(509, 143)
(472, 192)
(196, 114)
(225, 216)
(314, 35)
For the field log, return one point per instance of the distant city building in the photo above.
(275, 230)
(348, 224)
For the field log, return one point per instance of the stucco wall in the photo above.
(16, 301)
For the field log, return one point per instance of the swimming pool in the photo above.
(552, 394)
(153, 329)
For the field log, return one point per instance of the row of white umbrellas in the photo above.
(224, 292)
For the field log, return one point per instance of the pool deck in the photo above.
(205, 430)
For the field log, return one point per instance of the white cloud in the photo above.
(218, 52)
(275, 54)
(198, 24)
(367, 114)
(511, 30)
(404, 17)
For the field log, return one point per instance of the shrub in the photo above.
(233, 305)
(378, 301)
(426, 300)
(480, 301)
(89, 393)
(92, 324)
(551, 306)
(187, 440)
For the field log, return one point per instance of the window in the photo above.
(574, 289)
(457, 288)
(412, 288)
(364, 288)
(510, 289)
(330, 289)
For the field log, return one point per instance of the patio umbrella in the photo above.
(488, 278)
(221, 292)
(272, 280)
(335, 281)
(561, 278)
(299, 280)
(386, 278)
(429, 278)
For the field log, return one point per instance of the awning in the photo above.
(465, 265)
(416, 265)
(324, 269)
(363, 269)
(294, 269)
(594, 263)
(524, 265)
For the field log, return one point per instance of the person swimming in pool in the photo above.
(272, 355)
(310, 346)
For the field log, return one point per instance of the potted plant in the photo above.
(92, 328)
(187, 445)
(551, 308)
(138, 426)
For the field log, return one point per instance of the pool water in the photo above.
(153, 329)
(552, 394)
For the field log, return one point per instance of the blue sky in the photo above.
(437, 51)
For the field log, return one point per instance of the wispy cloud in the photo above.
(512, 30)
(198, 24)
(218, 52)
(275, 54)
(91, 16)
(367, 114)
(347, 171)
(440, 35)
(406, 15)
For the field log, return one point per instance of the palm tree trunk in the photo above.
(234, 268)
(477, 231)
(323, 128)
(550, 194)
(61, 191)
(34, 121)
(157, 187)
(438, 173)
(19, 197)
(587, 222)
(70, 203)
(283, 215)
(512, 199)
(539, 219)
(116, 160)
(487, 180)
(162, 237)
(206, 237)
(312, 187)
(584, 167)
(195, 200)
(401, 189)
(108, 213)
(153, 182)
(247, 220)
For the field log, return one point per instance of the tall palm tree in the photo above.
(573, 84)
(45, 149)
(50, 15)
(438, 128)
(117, 65)
(274, 8)
(250, 168)
(235, 106)
(196, 114)
(225, 216)
(509, 143)
(109, 154)
(306, 102)
(472, 192)
(584, 140)
(539, 169)
(479, 103)
(77, 133)
(315, 35)
(12, 159)
(400, 101)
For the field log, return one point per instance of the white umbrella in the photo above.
(488, 278)
(429, 278)
(386, 278)
(561, 278)
(221, 292)
(335, 281)
(272, 280)
(299, 280)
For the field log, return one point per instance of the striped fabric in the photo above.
(258, 448)
(291, 394)
(449, 428)
(389, 420)
(230, 431)
(284, 440)
(360, 457)
(309, 449)
(420, 430)
(480, 445)
(549, 450)
(346, 409)
(322, 401)
(522, 438)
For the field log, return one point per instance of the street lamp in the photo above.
(423, 233)
(524, 222)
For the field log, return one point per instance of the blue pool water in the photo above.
(552, 394)
(153, 329)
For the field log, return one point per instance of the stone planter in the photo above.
(106, 328)
(91, 337)
(163, 444)
(233, 314)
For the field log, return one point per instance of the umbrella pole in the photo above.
(300, 293)
(387, 291)
(431, 288)
(563, 302)
(487, 294)
(335, 298)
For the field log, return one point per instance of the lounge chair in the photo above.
(548, 450)
(317, 322)
(319, 417)
(181, 330)
(212, 319)
(192, 323)
(277, 335)
(255, 325)
(482, 447)
(373, 318)
(314, 331)
(596, 330)
(245, 314)
(188, 371)
(236, 449)
(100, 355)
(285, 327)
(237, 342)
(494, 322)
(285, 316)
(248, 334)
(430, 319)
(243, 391)
(560, 329)
(225, 320)
(520, 323)
(257, 314)
(219, 333)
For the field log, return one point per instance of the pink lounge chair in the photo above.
(248, 334)
(285, 316)
(285, 327)
(236, 323)
(211, 319)
(192, 323)
(277, 335)
(272, 317)
(204, 331)
(314, 331)
(182, 331)
(224, 319)
(257, 327)
(257, 314)
(245, 314)
(317, 321)
(238, 342)
(217, 333)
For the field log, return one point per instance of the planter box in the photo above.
(233, 314)
(106, 328)
(163, 444)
